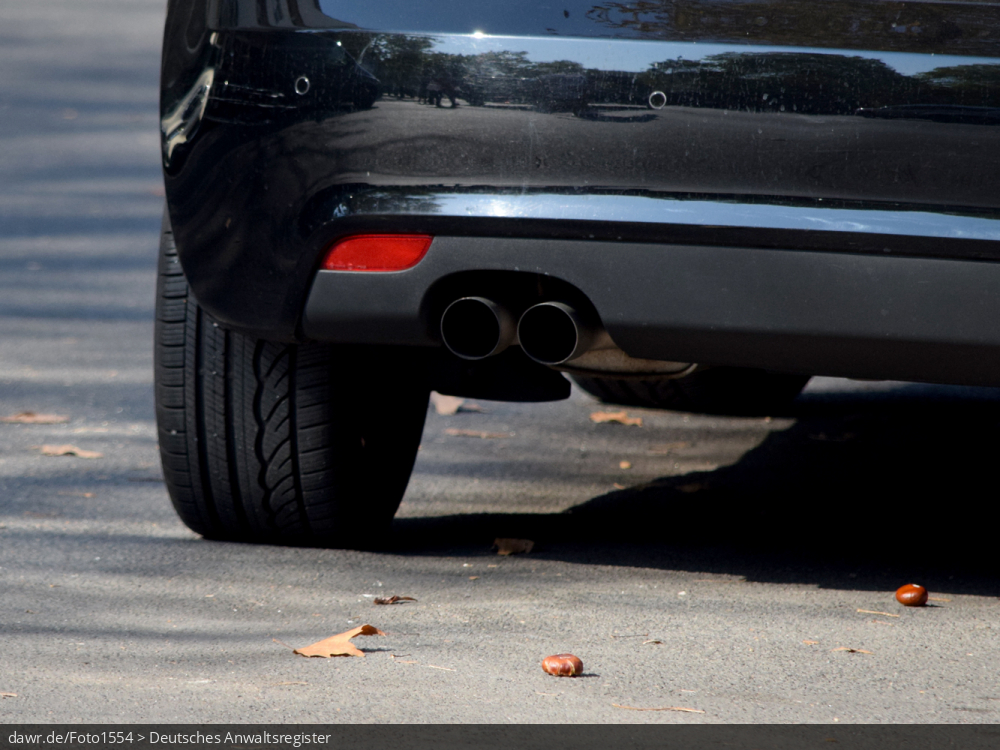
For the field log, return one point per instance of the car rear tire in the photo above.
(715, 390)
(272, 442)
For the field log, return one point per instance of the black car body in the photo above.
(782, 185)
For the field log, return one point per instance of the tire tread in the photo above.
(253, 441)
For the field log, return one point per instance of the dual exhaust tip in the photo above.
(550, 333)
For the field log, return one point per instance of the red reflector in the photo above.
(377, 252)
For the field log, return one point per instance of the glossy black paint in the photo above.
(837, 113)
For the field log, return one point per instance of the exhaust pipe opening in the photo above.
(476, 328)
(553, 333)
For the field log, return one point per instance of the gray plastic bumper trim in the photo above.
(812, 312)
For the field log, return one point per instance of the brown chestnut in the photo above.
(911, 595)
(563, 665)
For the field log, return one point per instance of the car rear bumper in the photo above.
(813, 312)
(826, 202)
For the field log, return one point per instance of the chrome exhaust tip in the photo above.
(476, 327)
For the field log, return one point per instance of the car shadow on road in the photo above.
(858, 493)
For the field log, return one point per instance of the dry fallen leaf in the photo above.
(449, 405)
(67, 450)
(625, 465)
(477, 434)
(8, 695)
(513, 546)
(810, 643)
(618, 486)
(620, 417)
(473, 578)
(340, 644)
(392, 599)
(664, 708)
(30, 417)
(656, 642)
(446, 405)
(850, 650)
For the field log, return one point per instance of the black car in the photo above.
(691, 204)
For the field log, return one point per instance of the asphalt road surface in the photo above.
(729, 569)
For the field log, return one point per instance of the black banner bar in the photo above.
(487, 737)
